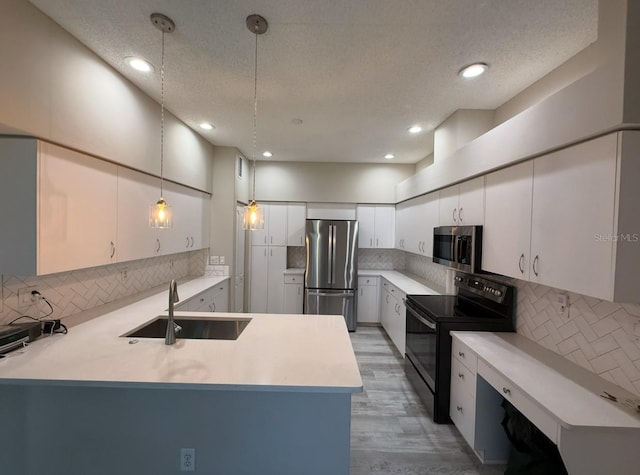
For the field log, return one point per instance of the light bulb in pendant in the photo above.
(160, 215)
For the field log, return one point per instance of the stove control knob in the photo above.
(498, 293)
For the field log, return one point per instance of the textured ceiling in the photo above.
(357, 72)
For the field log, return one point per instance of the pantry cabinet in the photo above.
(463, 204)
(275, 226)
(268, 264)
(376, 226)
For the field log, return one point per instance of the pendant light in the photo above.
(253, 215)
(160, 213)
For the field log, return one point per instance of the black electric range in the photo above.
(480, 304)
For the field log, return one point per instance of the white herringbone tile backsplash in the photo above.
(77, 291)
(387, 259)
(596, 334)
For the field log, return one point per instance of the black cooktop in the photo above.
(477, 298)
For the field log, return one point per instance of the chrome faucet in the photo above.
(172, 327)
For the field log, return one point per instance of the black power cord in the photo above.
(49, 326)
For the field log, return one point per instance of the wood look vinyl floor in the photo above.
(391, 432)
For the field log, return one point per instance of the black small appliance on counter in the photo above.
(16, 335)
(480, 305)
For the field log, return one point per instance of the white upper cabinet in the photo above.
(376, 226)
(136, 239)
(416, 219)
(506, 235)
(574, 199)
(565, 220)
(296, 220)
(463, 204)
(275, 226)
(77, 210)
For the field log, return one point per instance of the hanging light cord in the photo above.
(255, 115)
(162, 120)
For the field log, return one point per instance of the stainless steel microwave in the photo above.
(459, 247)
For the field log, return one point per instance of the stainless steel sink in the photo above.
(193, 328)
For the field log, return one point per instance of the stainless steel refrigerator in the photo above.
(331, 274)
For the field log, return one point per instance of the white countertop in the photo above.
(400, 280)
(568, 392)
(308, 353)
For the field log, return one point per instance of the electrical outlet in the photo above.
(221, 260)
(26, 297)
(188, 460)
(124, 273)
(215, 260)
(563, 300)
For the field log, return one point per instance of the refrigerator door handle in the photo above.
(333, 254)
(330, 255)
(326, 294)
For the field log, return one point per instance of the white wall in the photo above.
(53, 87)
(606, 99)
(458, 129)
(329, 182)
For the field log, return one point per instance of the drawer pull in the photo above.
(461, 354)
(461, 375)
(506, 390)
(459, 409)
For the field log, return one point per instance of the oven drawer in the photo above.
(465, 355)
(462, 380)
(540, 418)
(462, 410)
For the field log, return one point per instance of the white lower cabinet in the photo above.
(214, 299)
(392, 314)
(268, 264)
(293, 293)
(368, 302)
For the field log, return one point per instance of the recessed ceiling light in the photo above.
(416, 129)
(267, 154)
(139, 64)
(296, 121)
(389, 156)
(473, 70)
(206, 126)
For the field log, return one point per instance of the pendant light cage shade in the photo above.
(253, 216)
(160, 215)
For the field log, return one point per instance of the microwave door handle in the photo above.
(456, 249)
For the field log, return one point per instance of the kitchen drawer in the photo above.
(362, 281)
(392, 289)
(462, 379)
(465, 355)
(462, 410)
(294, 278)
(538, 416)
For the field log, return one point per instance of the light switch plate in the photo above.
(221, 259)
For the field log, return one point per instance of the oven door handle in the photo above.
(431, 325)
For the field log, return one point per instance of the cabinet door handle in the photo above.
(192, 241)
(455, 219)
(521, 263)
(301, 240)
(377, 242)
(271, 239)
(370, 242)
(157, 245)
(535, 261)
(461, 354)
(459, 409)
(265, 239)
(461, 375)
(271, 252)
(460, 215)
(187, 245)
(113, 250)
(386, 298)
(506, 390)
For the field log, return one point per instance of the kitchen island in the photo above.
(276, 400)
